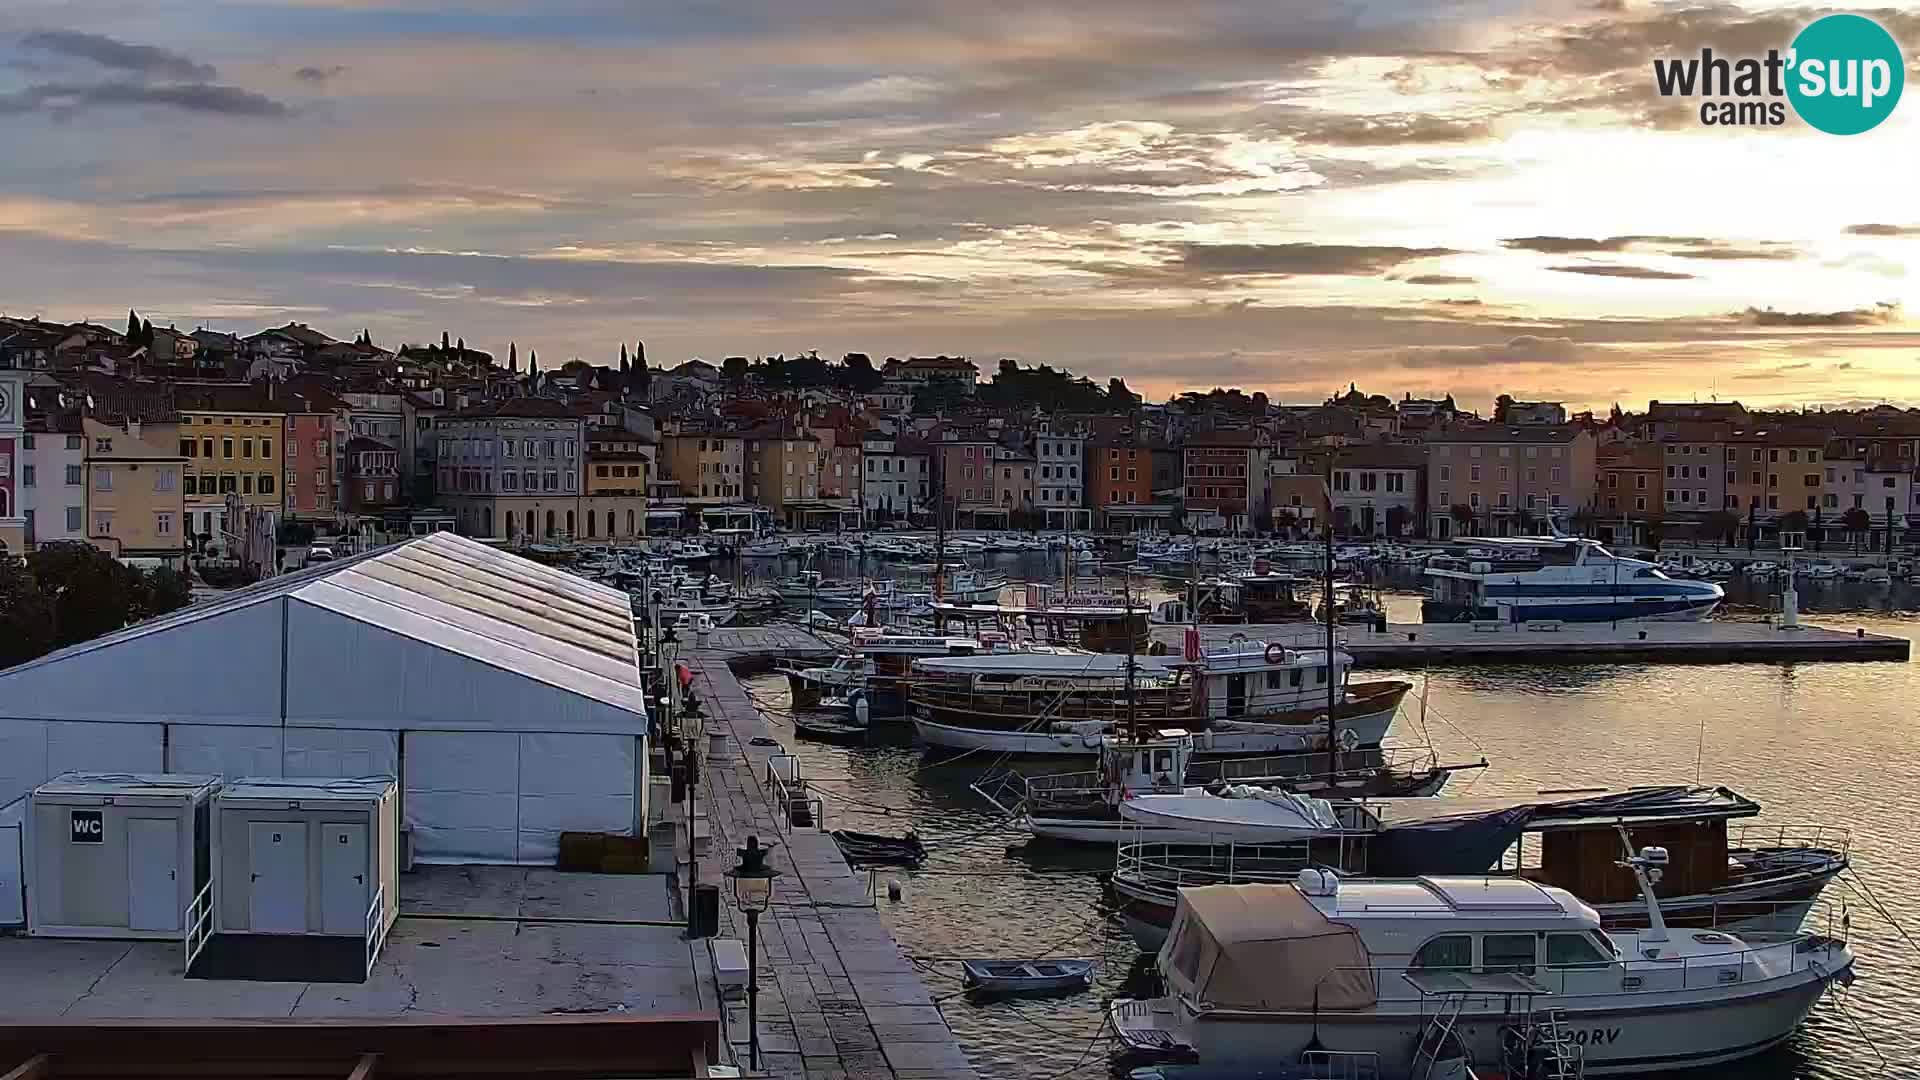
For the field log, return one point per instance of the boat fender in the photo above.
(1276, 653)
(1349, 742)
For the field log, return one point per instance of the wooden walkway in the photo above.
(759, 644)
(838, 1000)
(1412, 645)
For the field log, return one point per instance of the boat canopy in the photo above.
(1437, 836)
(1264, 947)
(1248, 815)
(1054, 665)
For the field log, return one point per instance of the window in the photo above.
(1773, 480)
(1639, 502)
(291, 479)
(266, 448)
(163, 480)
(1773, 502)
(1553, 474)
(26, 476)
(246, 483)
(227, 484)
(1473, 472)
(102, 479)
(102, 523)
(265, 484)
(1575, 950)
(1813, 480)
(103, 446)
(1446, 472)
(75, 442)
(1444, 953)
(1473, 499)
(226, 446)
(73, 519)
(163, 524)
(1640, 482)
(1507, 952)
(186, 447)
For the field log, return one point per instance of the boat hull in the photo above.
(1605, 609)
(1104, 825)
(1620, 1033)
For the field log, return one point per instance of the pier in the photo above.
(1415, 645)
(838, 999)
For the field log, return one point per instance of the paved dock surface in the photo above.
(1406, 645)
(501, 943)
(838, 999)
(760, 643)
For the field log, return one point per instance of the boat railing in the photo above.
(1172, 867)
(1763, 837)
(1340, 1064)
(794, 804)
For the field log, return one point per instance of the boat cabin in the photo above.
(1269, 597)
(1250, 679)
(1095, 628)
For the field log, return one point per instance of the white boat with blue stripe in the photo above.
(1523, 579)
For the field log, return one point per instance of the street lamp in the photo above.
(752, 892)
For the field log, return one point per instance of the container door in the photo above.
(344, 889)
(1236, 695)
(277, 901)
(153, 873)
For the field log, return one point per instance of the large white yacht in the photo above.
(1258, 974)
(1517, 579)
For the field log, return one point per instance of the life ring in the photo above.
(1276, 653)
(1349, 741)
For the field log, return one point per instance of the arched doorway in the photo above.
(529, 524)
(630, 529)
(486, 521)
(549, 524)
(569, 523)
(590, 521)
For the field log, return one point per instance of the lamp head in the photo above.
(753, 878)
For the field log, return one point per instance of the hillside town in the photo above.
(242, 438)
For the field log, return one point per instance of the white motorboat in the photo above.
(1258, 974)
(771, 547)
(1248, 699)
(688, 601)
(1557, 577)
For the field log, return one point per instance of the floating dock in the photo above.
(1416, 645)
(838, 999)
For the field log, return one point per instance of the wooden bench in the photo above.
(1550, 626)
(1488, 626)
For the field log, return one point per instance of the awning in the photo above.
(1264, 947)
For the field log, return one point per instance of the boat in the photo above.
(878, 849)
(1250, 698)
(771, 547)
(1084, 807)
(1727, 873)
(879, 661)
(1264, 973)
(687, 551)
(689, 601)
(1267, 596)
(970, 586)
(1026, 976)
(841, 722)
(1562, 578)
(697, 622)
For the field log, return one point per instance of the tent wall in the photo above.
(505, 797)
(224, 750)
(35, 751)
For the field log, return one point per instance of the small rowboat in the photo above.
(831, 729)
(874, 849)
(1027, 976)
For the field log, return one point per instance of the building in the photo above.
(1297, 493)
(1060, 454)
(13, 426)
(1226, 478)
(1873, 476)
(920, 370)
(512, 469)
(1507, 480)
(783, 468)
(308, 456)
(1698, 468)
(896, 481)
(232, 436)
(1530, 412)
(619, 472)
(1014, 485)
(373, 476)
(965, 463)
(1376, 490)
(1630, 493)
(136, 506)
(53, 479)
(1665, 418)
(1775, 471)
(709, 464)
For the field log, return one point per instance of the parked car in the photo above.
(320, 553)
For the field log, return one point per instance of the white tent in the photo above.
(504, 694)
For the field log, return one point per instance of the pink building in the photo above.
(309, 462)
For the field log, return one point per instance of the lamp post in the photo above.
(752, 892)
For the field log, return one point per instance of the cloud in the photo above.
(1304, 259)
(1440, 279)
(1680, 247)
(1883, 230)
(1523, 349)
(1880, 314)
(318, 75)
(67, 98)
(1621, 271)
(1397, 129)
(1566, 245)
(146, 60)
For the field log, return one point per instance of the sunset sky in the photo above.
(1273, 194)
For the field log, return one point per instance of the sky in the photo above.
(1282, 195)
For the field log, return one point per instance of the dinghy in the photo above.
(1027, 976)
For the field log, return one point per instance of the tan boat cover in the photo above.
(1264, 947)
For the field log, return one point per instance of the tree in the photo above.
(734, 369)
(146, 333)
(1501, 406)
(445, 345)
(460, 346)
(936, 396)
(133, 328)
(1119, 398)
(89, 591)
(1794, 521)
(858, 374)
(1857, 523)
(513, 358)
(1656, 531)
(623, 358)
(26, 619)
(533, 362)
(1397, 520)
(1462, 515)
(1259, 403)
(157, 592)
(1721, 525)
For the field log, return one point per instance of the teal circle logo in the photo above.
(1846, 74)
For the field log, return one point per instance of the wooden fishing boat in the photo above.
(1027, 976)
(878, 849)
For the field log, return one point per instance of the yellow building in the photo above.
(233, 438)
(135, 493)
(710, 465)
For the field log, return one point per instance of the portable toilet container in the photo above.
(13, 866)
(117, 855)
(301, 863)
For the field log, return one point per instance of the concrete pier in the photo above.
(1413, 645)
(838, 999)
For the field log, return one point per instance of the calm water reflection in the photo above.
(1813, 743)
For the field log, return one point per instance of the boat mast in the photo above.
(1126, 608)
(939, 533)
(1326, 602)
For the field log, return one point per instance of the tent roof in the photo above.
(452, 594)
(1262, 912)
